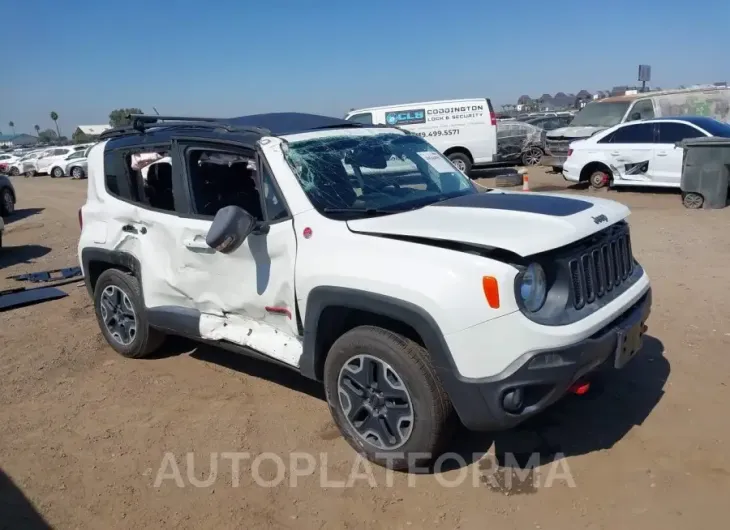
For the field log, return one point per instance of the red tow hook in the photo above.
(579, 388)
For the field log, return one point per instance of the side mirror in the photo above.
(635, 116)
(231, 226)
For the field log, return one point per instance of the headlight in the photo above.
(533, 287)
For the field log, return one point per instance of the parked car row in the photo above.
(63, 161)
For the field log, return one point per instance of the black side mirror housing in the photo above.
(231, 226)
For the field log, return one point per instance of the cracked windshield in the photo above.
(364, 173)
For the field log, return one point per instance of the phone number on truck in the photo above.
(438, 132)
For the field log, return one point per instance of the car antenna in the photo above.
(153, 108)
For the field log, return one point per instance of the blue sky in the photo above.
(83, 58)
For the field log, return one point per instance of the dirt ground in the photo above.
(84, 433)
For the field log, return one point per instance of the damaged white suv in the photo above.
(359, 256)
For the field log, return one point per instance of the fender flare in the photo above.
(110, 257)
(464, 397)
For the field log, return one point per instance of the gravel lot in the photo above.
(84, 431)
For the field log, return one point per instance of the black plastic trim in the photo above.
(518, 202)
(464, 397)
(111, 257)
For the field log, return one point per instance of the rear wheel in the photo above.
(461, 161)
(599, 179)
(386, 398)
(77, 173)
(532, 156)
(692, 201)
(122, 316)
(56, 173)
(14, 171)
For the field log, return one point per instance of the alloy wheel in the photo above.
(118, 315)
(376, 402)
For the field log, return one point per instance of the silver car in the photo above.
(75, 165)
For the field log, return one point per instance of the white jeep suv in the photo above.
(360, 257)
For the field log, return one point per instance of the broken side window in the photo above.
(275, 207)
(220, 179)
(149, 175)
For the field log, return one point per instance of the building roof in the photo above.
(94, 130)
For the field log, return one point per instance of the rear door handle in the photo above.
(615, 153)
(663, 153)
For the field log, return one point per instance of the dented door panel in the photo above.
(632, 161)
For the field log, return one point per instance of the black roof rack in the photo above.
(139, 123)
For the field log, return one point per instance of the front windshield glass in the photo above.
(601, 114)
(367, 172)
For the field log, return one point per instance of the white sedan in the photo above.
(74, 165)
(638, 153)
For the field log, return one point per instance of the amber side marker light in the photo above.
(491, 291)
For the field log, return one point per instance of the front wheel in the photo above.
(7, 202)
(31, 173)
(599, 179)
(386, 398)
(461, 162)
(56, 173)
(122, 316)
(14, 171)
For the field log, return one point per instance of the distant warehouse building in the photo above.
(17, 140)
(91, 131)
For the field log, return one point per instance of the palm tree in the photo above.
(12, 126)
(37, 129)
(54, 117)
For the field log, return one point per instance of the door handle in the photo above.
(196, 244)
(663, 153)
(614, 153)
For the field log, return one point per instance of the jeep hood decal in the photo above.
(523, 223)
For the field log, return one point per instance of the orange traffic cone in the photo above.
(525, 182)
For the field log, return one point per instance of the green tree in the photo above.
(118, 117)
(12, 126)
(37, 129)
(48, 136)
(54, 117)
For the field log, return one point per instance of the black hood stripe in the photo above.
(518, 202)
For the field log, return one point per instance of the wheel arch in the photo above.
(95, 261)
(406, 317)
(592, 167)
(459, 149)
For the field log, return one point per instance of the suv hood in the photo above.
(520, 222)
(581, 131)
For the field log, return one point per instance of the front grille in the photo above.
(601, 269)
(557, 146)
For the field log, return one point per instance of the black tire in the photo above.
(461, 161)
(532, 156)
(144, 340)
(692, 200)
(77, 172)
(432, 414)
(14, 172)
(31, 173)
(599, 179)
(7, 202)
(56, 173)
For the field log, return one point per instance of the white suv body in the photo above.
(52, 160)
(355, 248)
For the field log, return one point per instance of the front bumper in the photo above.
(479, 403)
